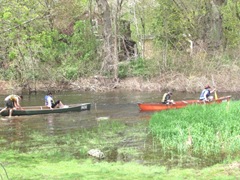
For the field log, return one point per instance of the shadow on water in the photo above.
(133, 143)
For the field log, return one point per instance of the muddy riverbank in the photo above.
(175, 82)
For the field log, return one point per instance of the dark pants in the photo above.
(55, 104)
(10, 104)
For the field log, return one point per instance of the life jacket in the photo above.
(165, 98)
(202, 97)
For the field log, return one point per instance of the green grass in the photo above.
(203, 130)
(19, 169)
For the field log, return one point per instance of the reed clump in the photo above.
(203, 130)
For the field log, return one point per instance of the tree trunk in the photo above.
(109, 62)
(214, 31)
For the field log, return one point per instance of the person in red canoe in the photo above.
(166, 99)
(206, 94)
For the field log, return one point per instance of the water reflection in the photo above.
(50, 123)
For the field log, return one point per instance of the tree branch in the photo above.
(26, 22)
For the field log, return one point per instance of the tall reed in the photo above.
(199, 129)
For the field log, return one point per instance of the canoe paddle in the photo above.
(215, 95)
(215, 92)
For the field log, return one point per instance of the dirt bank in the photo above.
(175, 82)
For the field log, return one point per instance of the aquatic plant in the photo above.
(205, 130)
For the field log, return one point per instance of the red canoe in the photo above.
(178, 104)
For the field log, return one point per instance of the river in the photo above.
(117, 105)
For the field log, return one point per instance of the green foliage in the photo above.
(213, 129)
(138, 67)
(84, 41)
(123, 70)
(31, 37)
(7, 15)
(148, 68)
(79, 52)
(46, 38)
(71, 72)
(168, 24)
(231, 23)
(36, 45)
(12, 55)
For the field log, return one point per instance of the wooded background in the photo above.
(63, 40)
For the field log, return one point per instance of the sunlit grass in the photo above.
(199, 129)
(27, 168)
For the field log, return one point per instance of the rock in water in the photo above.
(96, 153)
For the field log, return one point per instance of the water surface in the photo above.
(117, 105)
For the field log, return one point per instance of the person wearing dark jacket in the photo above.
(166, 99)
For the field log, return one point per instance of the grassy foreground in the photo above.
(206, 130)
(24, 166)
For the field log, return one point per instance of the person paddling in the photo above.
(166, 99)
(206, 94)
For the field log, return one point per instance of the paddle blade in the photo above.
(215, 95)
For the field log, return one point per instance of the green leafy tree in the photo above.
(231, 23)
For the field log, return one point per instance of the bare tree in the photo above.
(107, 35)
(216, 30)
(110, 33)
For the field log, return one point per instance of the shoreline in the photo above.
(102, 84)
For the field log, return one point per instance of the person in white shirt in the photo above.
(49, 102)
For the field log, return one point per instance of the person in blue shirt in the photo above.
(206, 94)
(49, 102)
